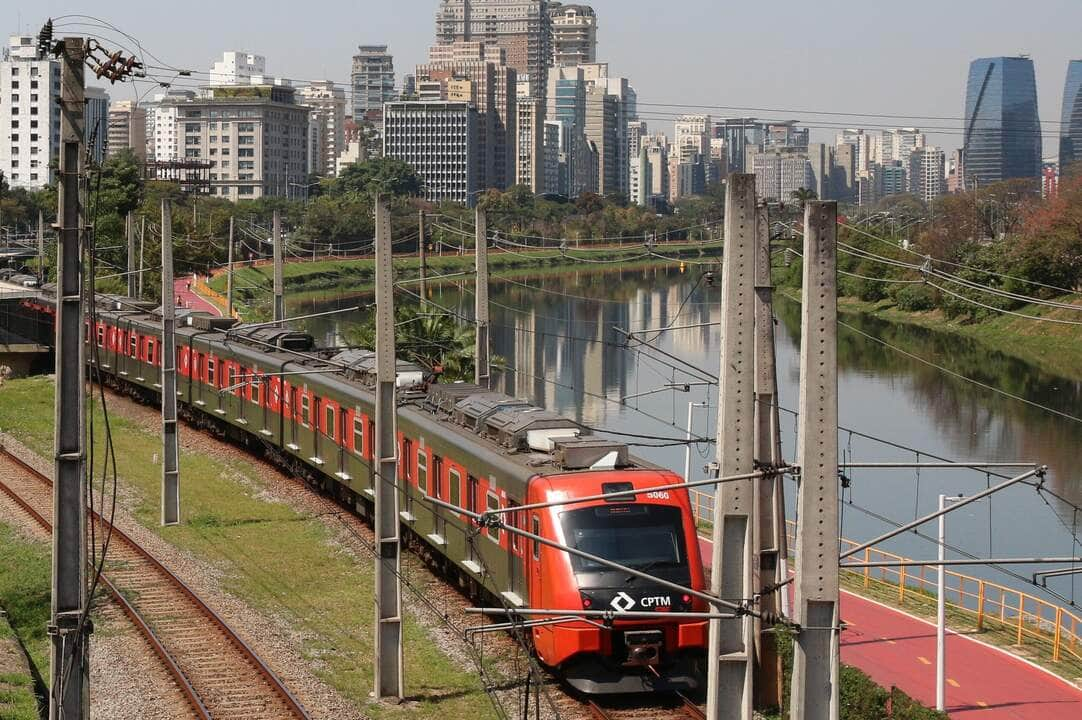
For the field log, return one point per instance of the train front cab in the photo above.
(653, 531)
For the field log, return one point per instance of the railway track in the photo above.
(219, 675)
(679, 706)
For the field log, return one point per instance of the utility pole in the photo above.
(142, 242)
(422, 249)
(815, 649)
(388, 665)
(41, 248)
(129, 230)
(731, 646)
(941, 614)
(69, 628)
(170, 446)
(229, 273)
(770, 567)
(279, 304)
(481, 370)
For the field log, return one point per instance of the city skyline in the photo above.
(869, 75)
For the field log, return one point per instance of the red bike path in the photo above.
(983, 683)
(187, 298)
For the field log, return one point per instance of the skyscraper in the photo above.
(1070, 129)
(326, 125)
(574, 34)
(127, 128)
(29, 114)
(438, 140)
(373, 81)
(520, 27)
(1002, 132)
(926, 173)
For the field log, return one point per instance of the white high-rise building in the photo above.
(926, 172)
(326, 125)
(163, 141)
(238, 68)
(439, 141)
(574, 34)
(692, 137)
(127, 128)
(29, 115)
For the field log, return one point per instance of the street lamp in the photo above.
(305, 187)
(941, 610)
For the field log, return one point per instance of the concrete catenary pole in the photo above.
(770, 509)
(422, 253)
(388, 676)
(129, 230)
(731, 642)
(142, 244)
(41, 247)
(481, 371)
(229, 273)
(170, 446)
(941, 614)
(279, 304)
(815, 650)
(69, 630)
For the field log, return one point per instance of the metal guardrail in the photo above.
(1027, 616)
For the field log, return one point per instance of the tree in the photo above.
(379, 175)
(435, 341)
(802, 195)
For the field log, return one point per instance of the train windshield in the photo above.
(638, 536)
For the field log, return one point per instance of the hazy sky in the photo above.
(828, 55)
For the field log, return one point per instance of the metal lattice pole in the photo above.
(731, 643)
(816, 649)
(170, 446)
(481, 372)
(69, 635)
(388, 649)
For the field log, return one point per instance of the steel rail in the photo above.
(272, 680)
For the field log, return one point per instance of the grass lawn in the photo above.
(277, 560)
(24, 595)
(307, 280)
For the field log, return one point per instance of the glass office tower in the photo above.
(1070, 129)
(1002, 133)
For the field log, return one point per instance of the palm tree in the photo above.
(802, 195)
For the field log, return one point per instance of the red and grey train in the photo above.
(312, 410)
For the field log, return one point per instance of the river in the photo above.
(557, 335)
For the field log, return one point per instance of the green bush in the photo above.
(915, 298)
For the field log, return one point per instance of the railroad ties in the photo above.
(220, 676)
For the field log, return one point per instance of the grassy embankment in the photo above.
(279, 561)
(1052, 347)
(306, 280)
(24, 596)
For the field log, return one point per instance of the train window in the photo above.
(233, 377)
(454, 479)
(133, 345)
(304, 406)
(330, 421)
(493, 503)
(422, 469)
(471, 493)
(257, 389)
(535, 528)
(437, 478)
(637, 536)
(211, 366)
(101, 336)
(150, 351)
(358, 432)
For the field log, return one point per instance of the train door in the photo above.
(439, 491)
(472, 490)
(343, 434)
(535, 562)
(515, 541)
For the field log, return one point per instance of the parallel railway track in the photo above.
(219, 675)
(681, 707)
